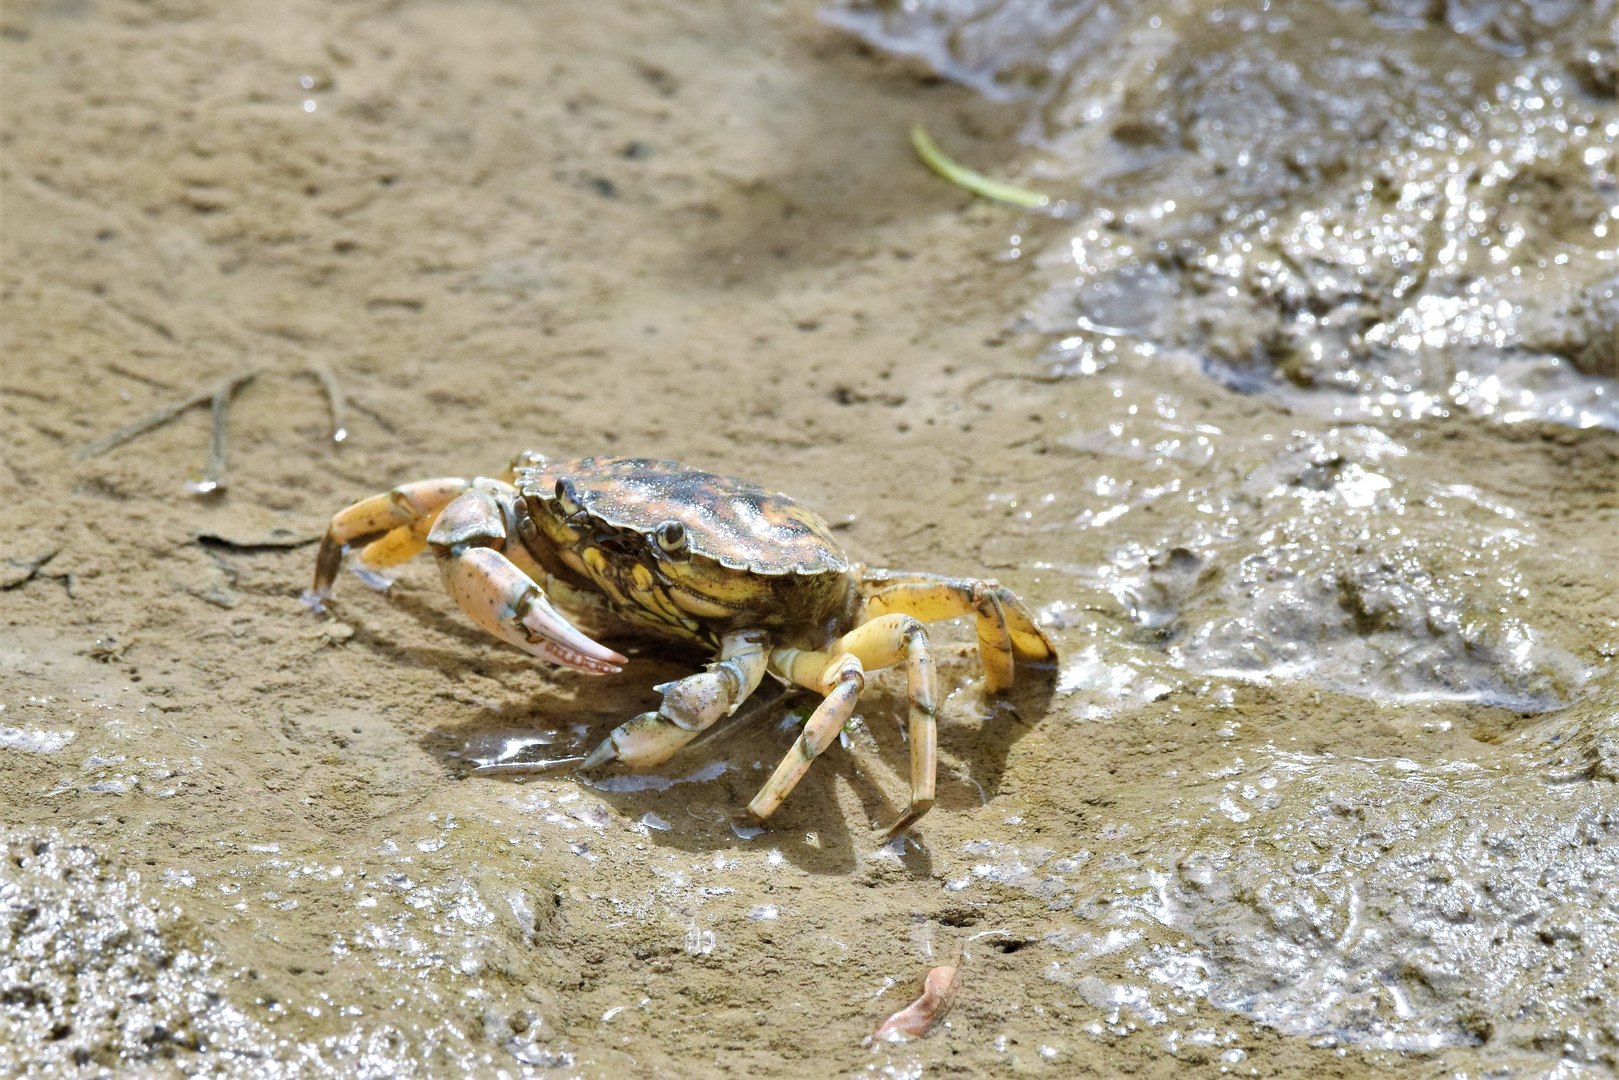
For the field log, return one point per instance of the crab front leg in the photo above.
(469, 542)
(689, 705)
(394, 527)
(1007, 631)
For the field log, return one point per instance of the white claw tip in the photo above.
(204, 486)
(600, 756)
(340, 434)
(315, 600)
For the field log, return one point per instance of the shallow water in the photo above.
(1367, 212)
(1402, 211)
(1294, 425)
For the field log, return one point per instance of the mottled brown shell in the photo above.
(737, 524)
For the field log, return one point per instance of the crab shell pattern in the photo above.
(656, 547)
(689, 554)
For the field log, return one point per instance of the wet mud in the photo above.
(1324, 780)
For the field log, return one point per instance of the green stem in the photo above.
(977, 183)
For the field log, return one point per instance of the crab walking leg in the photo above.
(1007, 631)
(498, 596)
(689, 706)
(396, 521)
(396, 548)
(841, 678)
(881, 643)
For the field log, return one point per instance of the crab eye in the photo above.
(672, 537)
(567, 497)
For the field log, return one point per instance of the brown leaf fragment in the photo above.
(913, 1021)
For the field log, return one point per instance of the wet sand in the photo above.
(245, 838)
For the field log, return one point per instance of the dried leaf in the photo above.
(913, 1021)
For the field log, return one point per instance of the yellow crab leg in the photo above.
(1006, 629)
(689, 705)
(839, 672)
(837, 675)
(396, 521)
(395, 548)
(466, 541)
(883, 642)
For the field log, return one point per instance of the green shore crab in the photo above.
(628, 544)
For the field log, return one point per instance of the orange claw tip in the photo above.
(913, 1021)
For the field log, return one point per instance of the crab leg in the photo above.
(466, 540)
(1007, 631)
(840, 674)
(885, 641)
(689, 705)
(396, 523)
(841, 678)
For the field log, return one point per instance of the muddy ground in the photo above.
(249, 833)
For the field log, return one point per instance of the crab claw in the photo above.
(502, 599)
(559, 641)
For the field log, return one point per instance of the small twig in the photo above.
(378, 418)
(166, 414)
(1010, 376)
(335, 400)
(546, 765)
(157, 384)
(212, 480)
(143, 425)
(977, 183)
(25, 570)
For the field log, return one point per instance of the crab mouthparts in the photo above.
(559, 641)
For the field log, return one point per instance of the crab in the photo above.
(663, 550)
